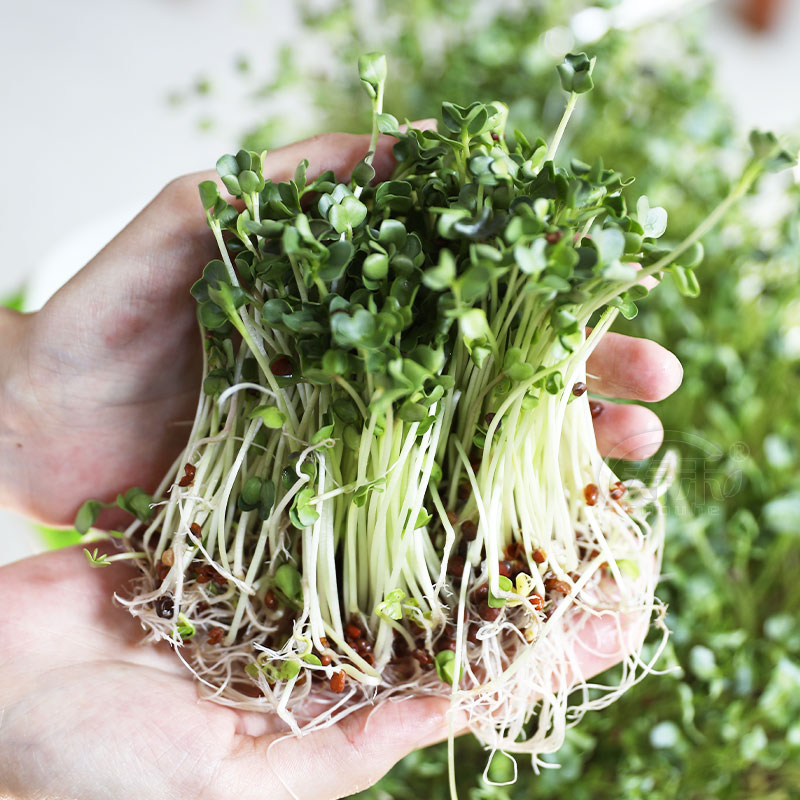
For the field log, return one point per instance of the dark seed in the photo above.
(165, 606)
(513, 551)
(481, 593)
(469, 530)
(485, 611)
(270, 601)
(464, 490)
(325, 660)
(539, 556)
(536, 601)
(579, 388)
(162, 570)
(196, 529)
(455, 566)
(504, 568)
(554, 237)
(282, 365)
(595, 408)
(215, 635)
(452, 517)
(168, 557)
(590, 493)
(472, 634)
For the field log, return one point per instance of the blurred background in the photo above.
(107, 102)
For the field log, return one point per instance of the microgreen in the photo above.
(389, 374)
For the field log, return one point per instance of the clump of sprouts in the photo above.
(392, 486)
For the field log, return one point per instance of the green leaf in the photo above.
(363, 173)
(505, 586)
(87, 515)
(532, 259)
(269, 415)
(209, 194)
(185, 629)
(250, 494)
(376, 266)
(227, 165)
(302, 513)
(576, 73)
(445, 662)
(372, 72)
(652, 220)
(137, 502)
(287, 580)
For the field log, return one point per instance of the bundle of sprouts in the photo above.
(392, 485)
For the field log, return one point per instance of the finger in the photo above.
(629, 432)
(634, 369)
(337, 761)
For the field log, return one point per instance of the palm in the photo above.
(90, 712)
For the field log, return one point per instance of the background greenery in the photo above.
(725, 721)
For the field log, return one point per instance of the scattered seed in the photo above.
(554, 237)
(422, 656)
(452, 517)
(464, 490)
(188, 475)
(590, 493)
(539, 556)
(196, 529)
(325, 660)
(165, 606)
(579, 388)
(215, 635)
(337, 682)
(270, 601)
(323, 641)
(162, 571)
(617, 490)
(504, 568)
(168, 557)
(556, 585)
(595, 408)
(536, 601)
(485, 611)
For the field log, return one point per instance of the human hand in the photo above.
(87, 712)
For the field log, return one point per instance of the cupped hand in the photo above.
(88, 712)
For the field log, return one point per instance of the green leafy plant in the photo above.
(423, 477)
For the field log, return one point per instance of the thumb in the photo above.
(337, 761)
